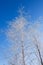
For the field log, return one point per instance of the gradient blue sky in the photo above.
(9, 10)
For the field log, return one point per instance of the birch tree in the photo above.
(22, 47)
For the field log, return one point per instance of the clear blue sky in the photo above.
(8, 11)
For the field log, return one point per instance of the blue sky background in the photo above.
(9, 10)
